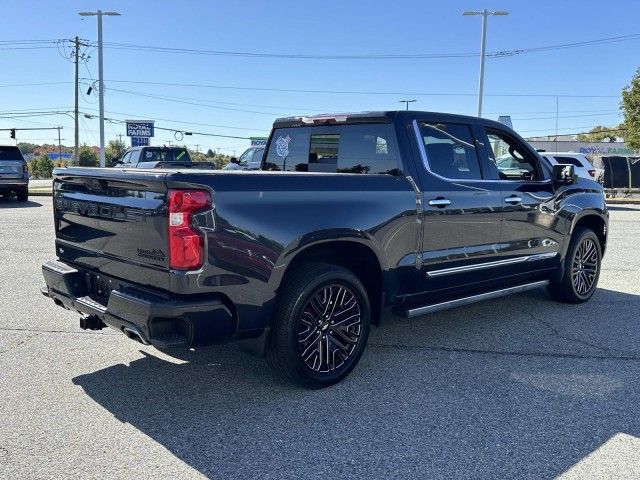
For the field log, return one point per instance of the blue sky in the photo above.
(331, 27)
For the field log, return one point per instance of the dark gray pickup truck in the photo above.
(351, 215)
(159, 157)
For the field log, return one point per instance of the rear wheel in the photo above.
(23, 195)
(581, 268)
(321, 325)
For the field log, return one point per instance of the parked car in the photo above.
(251, 159)
(584, 168)
(408, 211)
(158, 157)
(14, 173)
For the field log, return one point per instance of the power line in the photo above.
(187, 102)
(609, 113)
(197, 51)
(356, 92)
(172, 129)
(608, 129)
(182, 122)
(398, 56)
(561, 46)
(38, 84)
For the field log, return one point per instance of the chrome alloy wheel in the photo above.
(585, 267)
(329, 328)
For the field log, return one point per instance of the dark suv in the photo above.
(14, 174)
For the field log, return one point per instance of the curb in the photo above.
(623, 201)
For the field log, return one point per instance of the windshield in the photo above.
(10, 153)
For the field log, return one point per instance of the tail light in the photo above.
(592, 173)
(25, 167)
(185, 242)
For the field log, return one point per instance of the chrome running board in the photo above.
(436, 307)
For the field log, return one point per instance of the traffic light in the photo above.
(13, 133)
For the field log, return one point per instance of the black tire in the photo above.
(23, 195)
(317, 349)
(582, 266)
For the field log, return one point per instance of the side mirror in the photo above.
(114, 161)
(233, 160)
(564, 174)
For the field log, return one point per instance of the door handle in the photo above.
(513, 199)
(439, 202)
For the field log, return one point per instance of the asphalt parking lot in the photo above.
(517, 387)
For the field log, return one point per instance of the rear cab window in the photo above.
(352, 148)
(165, 155)
(10, 153)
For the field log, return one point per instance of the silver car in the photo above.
(583, 165)
(14, 174)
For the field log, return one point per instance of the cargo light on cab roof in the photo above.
(318, 119)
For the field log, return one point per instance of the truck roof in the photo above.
(375, 117)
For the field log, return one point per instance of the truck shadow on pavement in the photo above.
(519, 387)
(13, 203)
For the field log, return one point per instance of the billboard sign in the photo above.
(258, 141)
(139, 128)
(586, 148)
(139, 141)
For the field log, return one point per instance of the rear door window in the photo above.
(368, 148)
(450, 150)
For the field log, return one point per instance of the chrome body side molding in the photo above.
(496, 263)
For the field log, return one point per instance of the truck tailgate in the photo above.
(11, 169)
(113, 221)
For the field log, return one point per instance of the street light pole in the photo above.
(99, 14)
(407, 102)
(483, 49)
(483, 44)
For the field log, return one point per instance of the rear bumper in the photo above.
(153, 318)
(13, 184)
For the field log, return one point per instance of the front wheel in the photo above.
(321, 325)
(582, 266)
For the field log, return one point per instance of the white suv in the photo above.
(581, 162)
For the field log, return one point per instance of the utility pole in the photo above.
(59, 145)
(483, 44)
(197, 148)
(76, 143)
(100, 14)
(557, 103)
